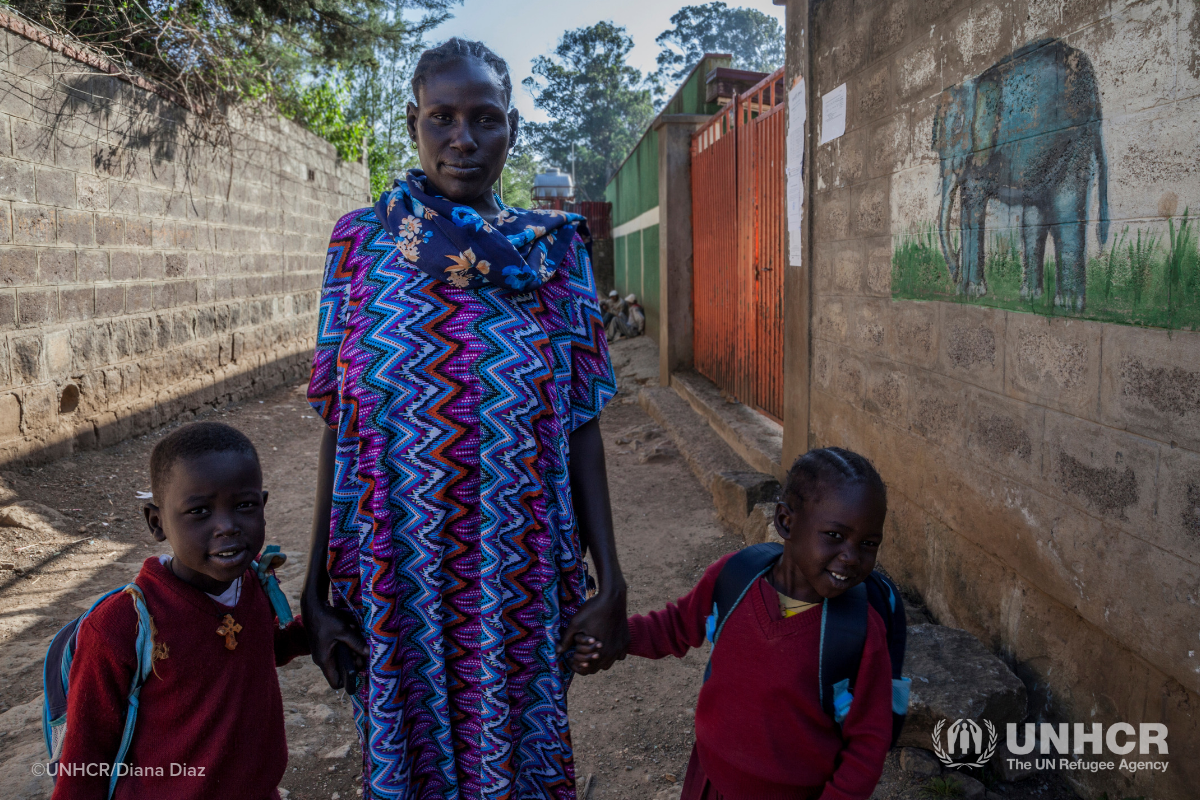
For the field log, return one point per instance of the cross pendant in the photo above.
(229, 629)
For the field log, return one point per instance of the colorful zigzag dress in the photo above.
(453, 537)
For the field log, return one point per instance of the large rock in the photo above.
(920, 763)
(969, 788)
(34, 516)
(955, 677)
(1006, 763)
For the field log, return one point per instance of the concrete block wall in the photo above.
(1043, 469)
(145, 270)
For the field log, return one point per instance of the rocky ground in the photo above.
(73, 529)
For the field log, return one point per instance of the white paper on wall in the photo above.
(833, 114)
(797, 116)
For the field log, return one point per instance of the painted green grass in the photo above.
(1142, 277)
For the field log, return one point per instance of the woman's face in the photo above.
(462, 130)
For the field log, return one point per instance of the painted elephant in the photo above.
(1025, 133)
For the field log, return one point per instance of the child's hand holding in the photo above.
(586, 658)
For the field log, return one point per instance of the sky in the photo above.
(520, 30)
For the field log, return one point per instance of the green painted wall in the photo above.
(650, 276)
(636, 265)
(633, 191)
(619, 263)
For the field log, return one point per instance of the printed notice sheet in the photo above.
(833, 114)
(797, 116)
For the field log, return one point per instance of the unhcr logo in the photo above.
(971, 743)
(965, 744)
(1065, 740)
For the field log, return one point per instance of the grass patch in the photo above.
(1141, 278)
(942, 787)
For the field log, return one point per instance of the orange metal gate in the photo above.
(738, 242)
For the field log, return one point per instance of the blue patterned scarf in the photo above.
(518, 250)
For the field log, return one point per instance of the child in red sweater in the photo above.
(761, 731)
(210, 717)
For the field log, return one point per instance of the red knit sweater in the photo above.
(217, 711)
(761, 733)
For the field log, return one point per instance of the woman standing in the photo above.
(461, 367)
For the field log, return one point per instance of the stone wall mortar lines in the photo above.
(917, 371)
(217, 271)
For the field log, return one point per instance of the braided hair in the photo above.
(833, 466)
(455, 49)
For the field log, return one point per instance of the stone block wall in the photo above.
(1043, 459)
(146, 268)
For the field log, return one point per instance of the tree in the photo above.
(595, 101)
(516, 185)
(214, 54)
(753, 38)
(378, 98)
(321, 107)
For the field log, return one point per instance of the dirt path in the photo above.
(632, 726)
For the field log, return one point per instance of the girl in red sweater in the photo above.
(761, 732)
(210, 716)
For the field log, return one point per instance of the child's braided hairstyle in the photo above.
(455, 49)
(833, 466)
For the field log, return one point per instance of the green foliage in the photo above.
(753, 38)
(321, 107)
(310, 59)
(594, 100)
(942, 786)
(1141, 278)
(516, 185)
(380, 96)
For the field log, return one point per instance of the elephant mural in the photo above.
(1025, 133)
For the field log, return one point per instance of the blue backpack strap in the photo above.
(842, 639)
(843, 633)
(147, 653)
(733, 581)
(264, 567)
(885, 599)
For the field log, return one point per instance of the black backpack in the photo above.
(843, 628)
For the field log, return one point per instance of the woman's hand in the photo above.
(602, 619)
(326, 627)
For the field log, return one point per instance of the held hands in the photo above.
(337, 645)
(586, 658)
(598, 635)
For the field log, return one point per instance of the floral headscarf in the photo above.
(518, 250)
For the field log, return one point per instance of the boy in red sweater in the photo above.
(210, 717)
(761, 732)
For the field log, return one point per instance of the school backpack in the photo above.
(56, 672)
(843, 629)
